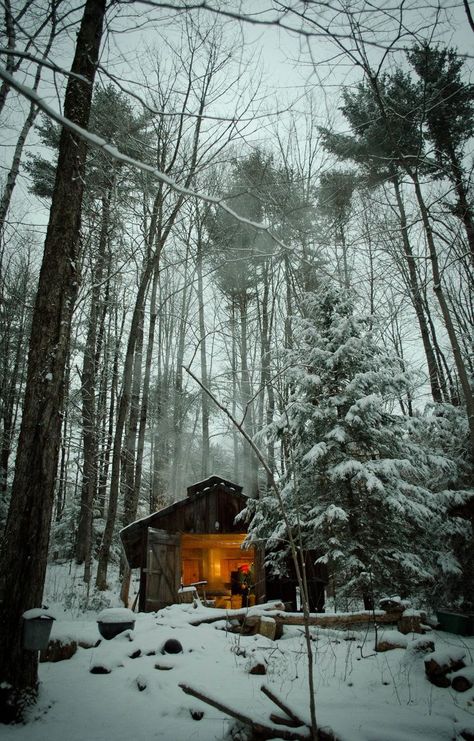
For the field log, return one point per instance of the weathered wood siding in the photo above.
(198, 513)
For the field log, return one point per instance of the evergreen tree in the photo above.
(387, 117)
(245, 257)
(448, 110)
(443, 428)
(356, 487)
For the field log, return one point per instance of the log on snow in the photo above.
(317, 619)
(463, 680)
(241, 614)
(438, 665)
(342, 620)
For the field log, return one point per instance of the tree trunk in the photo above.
(25, 129)
(205, 459)
(89, 406)
(463, 208)
(25, 548)
(265, 361)
(10, 33)
(145, 399)
(433, 371)
(179, 410)
(130, 445)
(106, 543)
(250, 463)
(12, 382)
(235, 435)
(448, 323)
(61, 492)
(133, 498)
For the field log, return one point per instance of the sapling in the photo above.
(299, 565)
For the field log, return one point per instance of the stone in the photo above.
(85, 643)
(172, 646)
(141, 683)
(439, 664)
(258, 669)
(250, 625)
(412, 621)
(197, 714)
(100, 669)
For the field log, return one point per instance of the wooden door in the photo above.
(192, 570)
(163, 572)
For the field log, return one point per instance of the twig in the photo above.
(266, 732)
(281, 721)
(291, 715)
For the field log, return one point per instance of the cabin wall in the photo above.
(210, 512)
(200, 514)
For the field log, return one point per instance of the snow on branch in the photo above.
(115, 153)
(42, 62)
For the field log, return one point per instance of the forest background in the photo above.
(306, 250)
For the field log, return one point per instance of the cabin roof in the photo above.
(210, 482)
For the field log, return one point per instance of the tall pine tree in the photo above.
(356, 489)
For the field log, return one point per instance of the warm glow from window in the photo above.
(213, 557)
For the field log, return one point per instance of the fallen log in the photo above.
(241, 614)
(343, 619)
(439, 664)
(265, 732)
(318, 619)
(463, 679)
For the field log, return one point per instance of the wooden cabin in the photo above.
(194, 540)
(197, 540)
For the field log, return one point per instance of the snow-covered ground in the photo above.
(361, 695)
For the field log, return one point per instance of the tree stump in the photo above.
(412, 621)
(463, 680)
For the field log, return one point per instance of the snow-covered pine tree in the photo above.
(444, 429)
(355, 488)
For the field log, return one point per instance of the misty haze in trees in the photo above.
(338, 333)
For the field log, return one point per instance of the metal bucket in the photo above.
(110, 630)
(36, 632)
